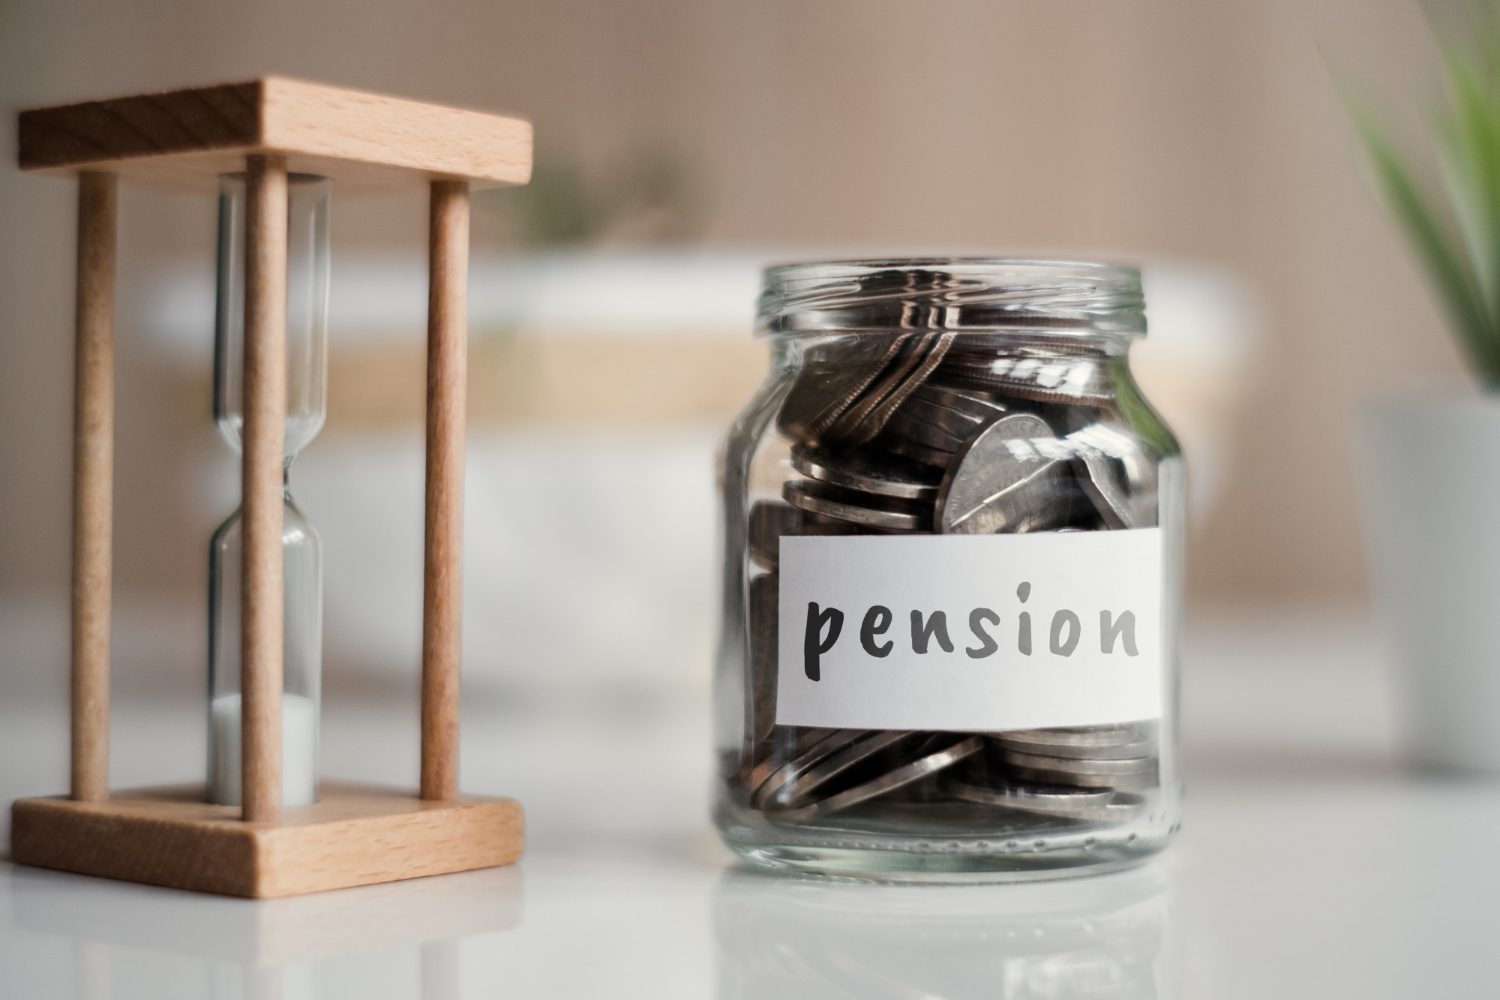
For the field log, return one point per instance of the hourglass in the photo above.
(264, 825)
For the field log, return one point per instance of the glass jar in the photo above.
(952, 577)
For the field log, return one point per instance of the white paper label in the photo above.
(970, 632)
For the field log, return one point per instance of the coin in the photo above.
(1126, 750)
(855, 508)
(912, 771)
(891, 478)
(934, 457)
(760, 706)
(823, 391)
(768, 521)
(788, 748)
(1102, 767)
(1097, 478)
(979, 406)
(1053, 776)
(960, 424)
(1061, 801)
(1053, 800)
(1041, 379)
(864, 420)
(1084, 737)
(984, 346)
(1000, 482)
(1098, 464)
(913, 428)
(796, 787)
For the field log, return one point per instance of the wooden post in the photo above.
(261, 487)
(93, 484)
(447, 351)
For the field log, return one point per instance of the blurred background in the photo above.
(681, 145)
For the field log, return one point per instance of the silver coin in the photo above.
(913, 428)
(760, 706)
(1092, 804)
(978, 406)
(787, 746)
(959, 422)
(803, 758)
(935, 457)
(802, 785)
(1002, 482)
(1101, 452)
(1052, 776)
(1084, 736)
(891, 478)
(767, 522)
(1139, 467)
(905, 774)
(855, 508)
(1109, 498)
(1031, 377)
(1016, 343)
(955, 423)
(1012, 391)
(1090, 766)
(770, 522)
(864, 420)
(824, 391)
(1124, 805)
(1054, 800)
(1130, 750)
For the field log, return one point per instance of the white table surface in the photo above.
(1311, 863)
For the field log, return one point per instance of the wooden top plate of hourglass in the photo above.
(351, 835)
(188, 138)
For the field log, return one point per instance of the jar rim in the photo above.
(990, 294)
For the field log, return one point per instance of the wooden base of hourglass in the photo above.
(353, 835)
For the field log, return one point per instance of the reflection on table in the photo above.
(216, 948)
(1100, 938)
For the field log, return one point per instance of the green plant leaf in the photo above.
(1469, 146)
(1446, 266)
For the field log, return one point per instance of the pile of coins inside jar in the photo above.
(930, 432)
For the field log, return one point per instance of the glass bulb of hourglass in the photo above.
(302, 643)
(302, 553)
(308, 200)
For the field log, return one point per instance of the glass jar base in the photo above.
(1038, 856)
(905, 867)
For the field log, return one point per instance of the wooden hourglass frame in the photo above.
(353, 835)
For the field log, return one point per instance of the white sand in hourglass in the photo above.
(299, 750)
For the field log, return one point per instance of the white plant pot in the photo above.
(1433, 532)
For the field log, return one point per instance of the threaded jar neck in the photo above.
(957, 294)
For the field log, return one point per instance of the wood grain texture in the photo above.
(93, 484)
(352, 836)
(442, 593)
(261, 606)
(363, 140)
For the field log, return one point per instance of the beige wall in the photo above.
(1182, 129)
